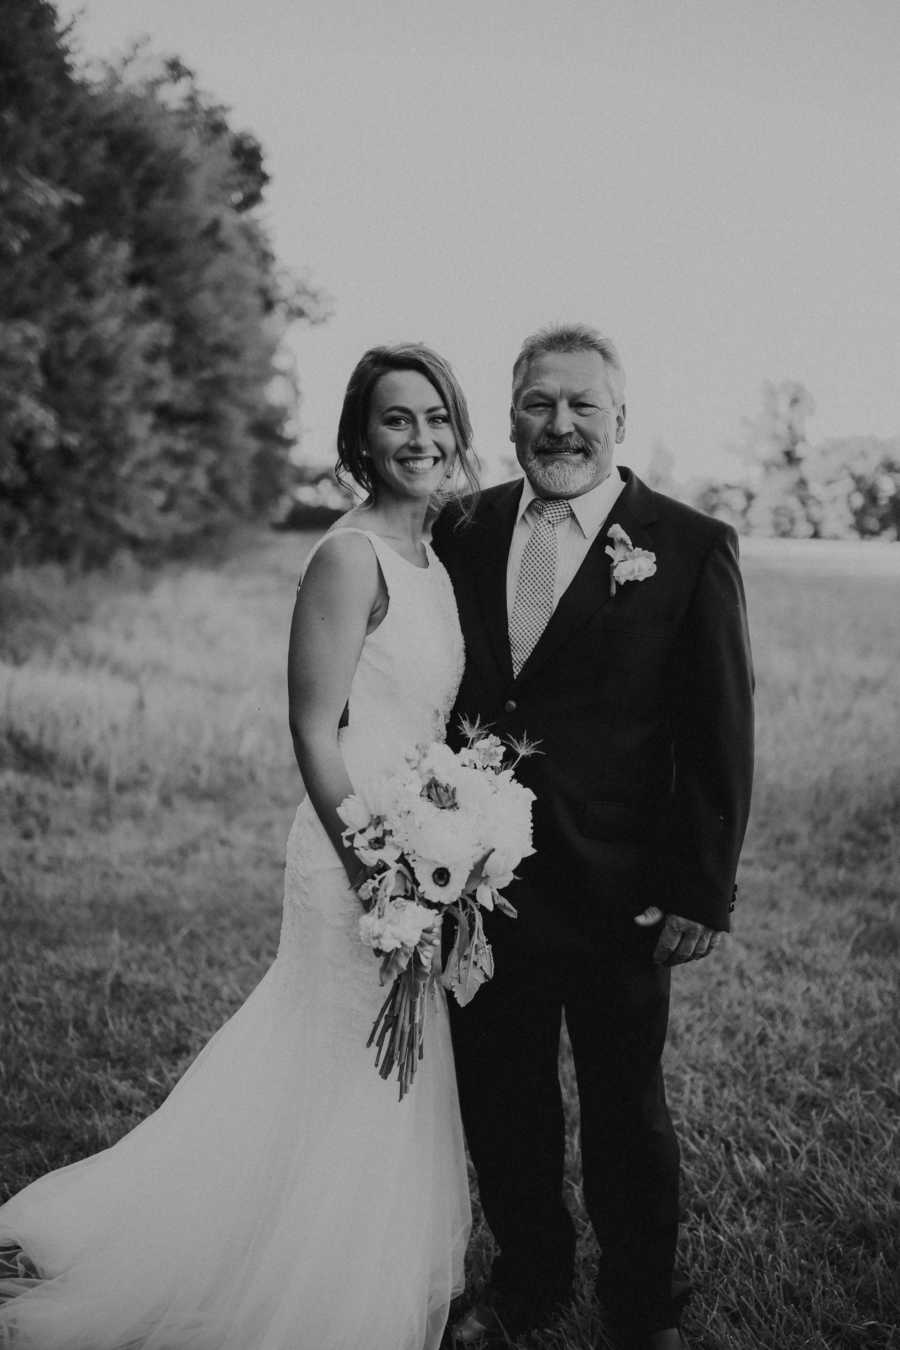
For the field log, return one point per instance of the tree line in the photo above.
(841, 488)
(144, 398)
(144, 401)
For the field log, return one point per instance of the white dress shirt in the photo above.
(574, 537)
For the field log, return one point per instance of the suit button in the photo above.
(510, 705)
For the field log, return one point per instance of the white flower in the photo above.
(507, 824)
(628, 563)
(441, 883)
(498, 867)
(431, 832)
(354, 812)
(377, 799)
(485, 753)
(638, 567)
(373, 842)
(374, 848)
(619, 537)
(476, 790)
(395, 924)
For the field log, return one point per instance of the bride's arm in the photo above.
(336, 603)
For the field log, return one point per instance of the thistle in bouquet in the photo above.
(442, 836)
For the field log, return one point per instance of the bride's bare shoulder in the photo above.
(342, 548)
(341, 568)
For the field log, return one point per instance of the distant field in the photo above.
(832, 557)
(146, 789)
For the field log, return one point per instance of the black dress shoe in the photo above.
(631, 1311)
(672, 1338)
(499, 1319)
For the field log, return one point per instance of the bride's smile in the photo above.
(409, 436)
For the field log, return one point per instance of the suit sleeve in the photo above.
(712, 738)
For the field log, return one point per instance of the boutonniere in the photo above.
(628, 563)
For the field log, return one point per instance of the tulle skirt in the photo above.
(281, 1198)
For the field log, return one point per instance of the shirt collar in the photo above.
(590, 509)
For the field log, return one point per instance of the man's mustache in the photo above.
(560, 445)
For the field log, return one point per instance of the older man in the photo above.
(607, 622)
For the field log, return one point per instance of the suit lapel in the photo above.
(589, 592)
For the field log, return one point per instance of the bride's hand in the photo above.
(357, 877)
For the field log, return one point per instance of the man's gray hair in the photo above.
(570, 337)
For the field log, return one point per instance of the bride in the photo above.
(282, 1198)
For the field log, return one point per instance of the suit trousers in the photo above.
(506, 1044)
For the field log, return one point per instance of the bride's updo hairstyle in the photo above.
(353, 452)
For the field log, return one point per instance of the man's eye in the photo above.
(537, 405)
(586, 408)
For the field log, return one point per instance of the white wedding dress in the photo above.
(281, 1198)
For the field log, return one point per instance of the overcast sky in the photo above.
(715, 183)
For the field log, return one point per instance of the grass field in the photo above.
(146, 789)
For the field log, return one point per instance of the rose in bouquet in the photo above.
(443, 836)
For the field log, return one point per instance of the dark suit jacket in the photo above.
(642, 703)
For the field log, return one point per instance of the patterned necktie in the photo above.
(533, 604)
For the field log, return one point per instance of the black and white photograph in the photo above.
(449, 675)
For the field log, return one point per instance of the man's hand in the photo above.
(680, 940)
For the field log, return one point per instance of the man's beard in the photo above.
(562, 477)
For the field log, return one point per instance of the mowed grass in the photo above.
(146, 790)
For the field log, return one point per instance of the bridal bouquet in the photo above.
(443, 835)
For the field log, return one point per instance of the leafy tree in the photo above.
(143, 310)
(855, 487)
(776, 443)
(726, 501)
(846, 487)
